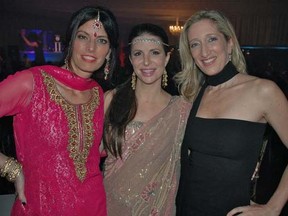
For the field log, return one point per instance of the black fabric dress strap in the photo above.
(184, 147)
(196, 103)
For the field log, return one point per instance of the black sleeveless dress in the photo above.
(218, 158)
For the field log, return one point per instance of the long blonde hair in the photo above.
(190, 79)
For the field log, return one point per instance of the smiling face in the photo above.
(89, 49)
(148, 59)
(209, 48)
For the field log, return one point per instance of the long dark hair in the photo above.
(123, 106)
(107, 19)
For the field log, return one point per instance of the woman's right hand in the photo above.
(19, 188)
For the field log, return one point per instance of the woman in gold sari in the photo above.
(144, 128)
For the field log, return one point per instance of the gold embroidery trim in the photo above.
(79, 157)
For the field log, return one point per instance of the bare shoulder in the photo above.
(259, 99)
(268, 88)
(262, 87)
(273, 103)
(109, 94)
(266, 93)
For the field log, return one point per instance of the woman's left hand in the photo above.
(19, 187)
(253, 210)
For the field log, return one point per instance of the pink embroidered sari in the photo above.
(145, 181)
(57, 142)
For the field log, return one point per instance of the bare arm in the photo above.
(275, 111)
(3, 158)
(277, 115)
(19, 177)
(108, 96)
(107, 100)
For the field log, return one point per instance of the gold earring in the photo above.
(106, 69)
(67, 60)
(133, 81)
(66, 63)
(164, 79)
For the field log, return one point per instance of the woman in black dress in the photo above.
(225, 129)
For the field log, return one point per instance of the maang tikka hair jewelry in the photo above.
(97, 24)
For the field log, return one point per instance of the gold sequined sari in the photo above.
(144, 182)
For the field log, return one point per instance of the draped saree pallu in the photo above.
(145, 180)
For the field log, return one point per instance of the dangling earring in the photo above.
(66, 63)
(106, 69)
(133, 81)
(229, 56)
(164, 79)
(68, 57)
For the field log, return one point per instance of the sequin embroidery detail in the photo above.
(79, 157)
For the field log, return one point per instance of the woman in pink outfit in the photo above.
(58, 123)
